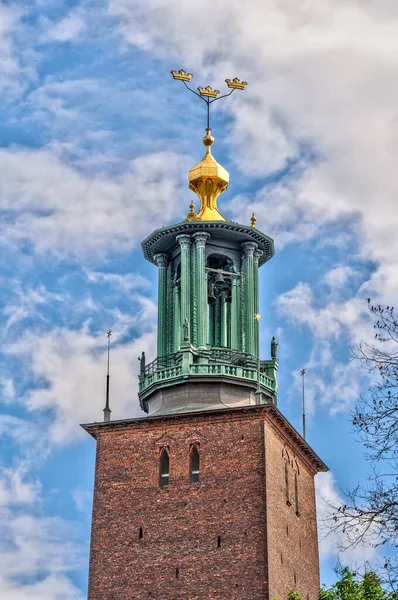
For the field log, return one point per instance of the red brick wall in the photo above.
(181, 524)
(292, 539)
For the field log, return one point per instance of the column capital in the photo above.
(162, 259)
(248, 248)
(184, 240)
(201, 238)
(258, 254)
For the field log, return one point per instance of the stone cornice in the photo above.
(162, 240)
(272, 414)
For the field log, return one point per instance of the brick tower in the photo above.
(211, 496)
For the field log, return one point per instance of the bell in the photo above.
(219, 279)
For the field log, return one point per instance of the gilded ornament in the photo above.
(236, 84)
(208, 180)
(181, 75)
(191, 216)
(208, 91)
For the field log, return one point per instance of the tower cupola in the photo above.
(208, 344)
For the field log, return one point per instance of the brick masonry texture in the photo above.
(241, 500)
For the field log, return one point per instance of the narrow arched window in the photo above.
(194, 466)
(287, 483)
(296, 494)
(164, 469)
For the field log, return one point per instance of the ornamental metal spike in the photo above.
(303, 376)
(107, 410)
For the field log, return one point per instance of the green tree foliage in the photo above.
(349, 587)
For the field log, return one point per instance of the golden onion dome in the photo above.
(208, 180)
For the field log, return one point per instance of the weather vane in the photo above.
(207, 94)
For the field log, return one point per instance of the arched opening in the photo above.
(194, 465)
(141, 533)
(164, 469)
(219, 541)
(219, 293)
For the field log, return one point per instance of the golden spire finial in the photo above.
(208, 179)
(253, 220)
(208, 140)
(191, 216)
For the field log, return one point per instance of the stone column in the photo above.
(235, 304)
(201, 288)
(185, 308)
(224, 320)
(162, 260)
(257, 254)
(176, 318)
(248, 249)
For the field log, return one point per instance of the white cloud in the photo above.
(338, 277)
(36, 552)
(26, 302)
(330, 543)
(53, 587)
(71, 369)
(19, 430)
(14, 489)
(330, 382)
(326, 319)
(7, 389)
(10, 64)
(82, 497)
(59, 209)
(126, 283)
(66, 30)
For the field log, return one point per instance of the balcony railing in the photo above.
(218, 362)
(163, 362)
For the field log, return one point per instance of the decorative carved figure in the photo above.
(142, 363)
(274, 348)
(185, 328)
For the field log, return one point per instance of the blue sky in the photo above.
(96, 142)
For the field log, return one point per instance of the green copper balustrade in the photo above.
(218, 362)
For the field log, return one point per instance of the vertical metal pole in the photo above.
(303, 376)
(107, 410)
